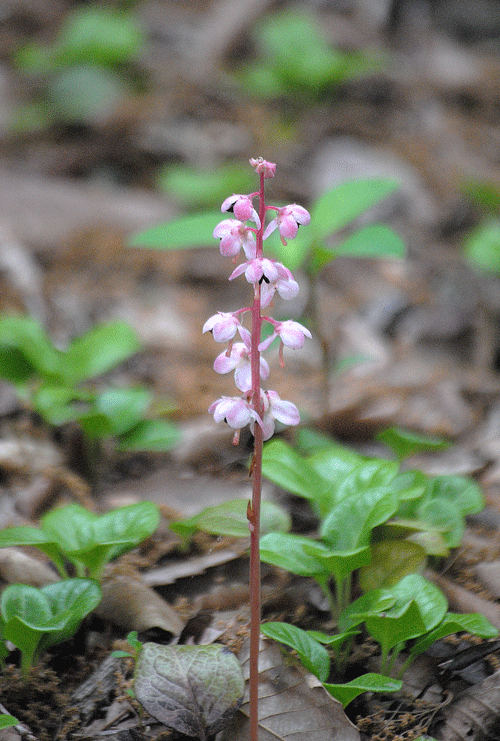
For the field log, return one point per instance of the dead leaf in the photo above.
(292, 704)
(474, 714)
(130, 604)
(16, 566)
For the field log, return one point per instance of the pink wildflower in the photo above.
(276, 409)
(292, 334)
(241, 207)
(261, 165)
(287, 221)
(237, 412)
(224, 327)
(233, 236)
(238, 360)
(271, 275)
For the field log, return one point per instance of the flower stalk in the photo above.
(255, 407)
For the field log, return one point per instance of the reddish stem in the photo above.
(256, 471)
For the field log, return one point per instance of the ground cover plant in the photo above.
(60, 385)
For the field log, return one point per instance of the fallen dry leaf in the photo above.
(474, 714)
(16, 566)
(292, 704)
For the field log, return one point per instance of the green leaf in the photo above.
(202, 187)
(124, 408)
(339, 206)
(333, 464)
(398, 625)
(482, 246)
(349, 523)
(93, 540)
(286, 468)
(431, 601)
(27, 336)
(193, 689)
(443, 515)
(100, 350)
(370, 474)
(186, 232)
(230, 518)
(346, 693)
(32, 536)
(60, 404)
(312, 654)
(463, 492)
(406, 442)
(338, 563)
(335, 641)
(86, 94)
(150, 434)
(289, 552)
(7, 721)
(391, 561)
(372, 603)
(473, 623)
(35, 619)
(374, 241)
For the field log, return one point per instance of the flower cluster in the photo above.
(255, 405)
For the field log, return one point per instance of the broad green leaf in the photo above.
(14, 365)
(35, 619)
(32, 536)
(374, 241)
(482, 246)
(28, 336)
(100, 349)
(399, 624)
(406, 442)
(462, 492)
(391, 561)
(346, 693)
(369, 604)
(295, 252)
(193, 689)
(474, 623)
(150, 434)
(195, 230)
(203, 187)
(230, 518)
(312, 654)
(7, 721)
(442, 514)
(310, 441)
(289, 552)
(333, 464)
(339, 206)
(60, 404)
(124, 408)
(286, 468)
(335, 641)
(93, 540)
(409, 485)
(369, 474)
(429, 537)
(338, 563)
(431, 601)
(349, 523)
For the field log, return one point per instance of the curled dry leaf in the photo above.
(193, 689)
(292, 704)
(128, 603)
(17, 567)
(474, 714)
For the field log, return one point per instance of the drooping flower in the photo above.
(276, 409)
(271, 275)
(234, 410)
(238, 360)
(233, 236)
(241, 207)
(287, 221)
(261, 165)
(224, 327)
(292, 334)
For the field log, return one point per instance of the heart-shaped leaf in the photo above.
(313, 655)
(346, 693)
(193, 689)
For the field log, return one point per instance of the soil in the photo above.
(72, 193)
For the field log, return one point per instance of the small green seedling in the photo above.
(85, 72)
(57, 384)
(86, 540)
(36, 619)
(135, 646)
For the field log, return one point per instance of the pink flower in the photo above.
(233, 236)
(292, 334)
(276, 409)
(237, 412)
(224, 327)
(287, 221)
(241, 207)
(271, 275)
(261, 165)
(239, 361)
